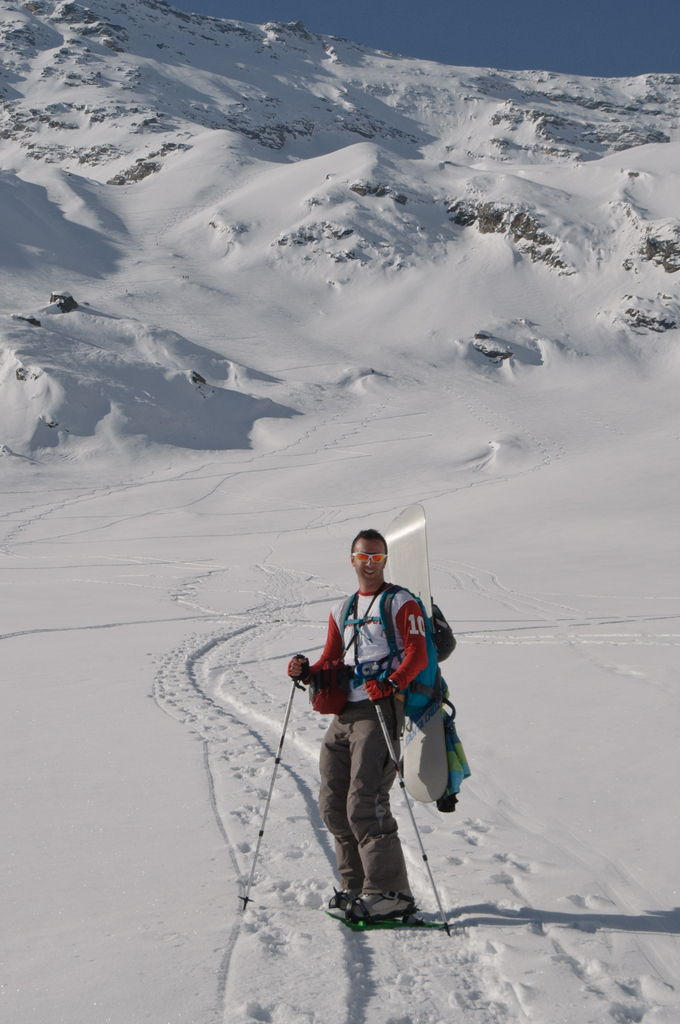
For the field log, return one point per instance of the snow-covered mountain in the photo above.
(186, 162)
(261, 288)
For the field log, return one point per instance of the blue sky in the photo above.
(585, 37)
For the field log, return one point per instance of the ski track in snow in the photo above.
(220, 687)
(490, 970)
(552, 613)
(197, 705)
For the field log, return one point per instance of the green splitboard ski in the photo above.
(368, 926)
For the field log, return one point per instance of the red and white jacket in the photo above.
(371, 643)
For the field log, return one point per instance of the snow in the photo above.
(263, 361)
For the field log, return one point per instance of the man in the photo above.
(356, 769)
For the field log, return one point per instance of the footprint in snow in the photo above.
(470, 837)
(623, 1014)
(508, 858)
(477, 825)
(590, 901)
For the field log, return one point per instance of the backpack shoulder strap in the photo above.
(349, 608)
(387, 618)
(432, 690)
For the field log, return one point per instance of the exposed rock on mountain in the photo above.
(64, 301)
(638, 318)
(140, 169)
(577, 132)
(491, 352)
(365, 189)
(642, 314)
(253, 176)
(523, 228)
(663, 252)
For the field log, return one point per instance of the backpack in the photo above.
(329, 686)
(427, 685)
(444, 640)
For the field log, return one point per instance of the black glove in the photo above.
(299, 661)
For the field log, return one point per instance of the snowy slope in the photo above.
(316, 283)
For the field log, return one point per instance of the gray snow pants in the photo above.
(356, 776)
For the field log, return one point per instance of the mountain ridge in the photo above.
(168, 167)
(97, 52)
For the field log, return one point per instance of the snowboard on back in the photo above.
(425, 764)
(408, 563)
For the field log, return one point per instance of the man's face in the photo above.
(370, 575)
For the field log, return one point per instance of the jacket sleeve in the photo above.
(333, 649)
(409, 622)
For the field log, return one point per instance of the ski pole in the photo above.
(402, 784)
(246, 899)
